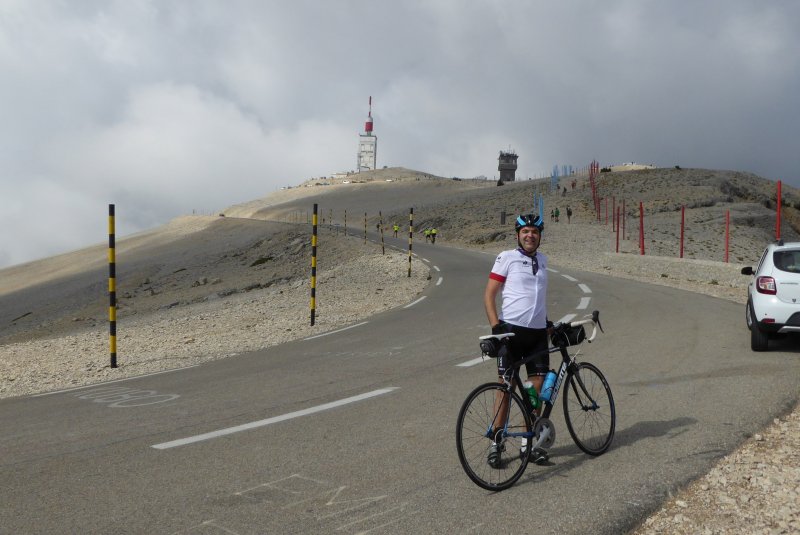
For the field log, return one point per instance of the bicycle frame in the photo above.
(506, 417)
(513, 380)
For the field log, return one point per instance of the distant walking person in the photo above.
(395, 228)
(557, 214)
(427, 233)
(433, 235)
(569, 214)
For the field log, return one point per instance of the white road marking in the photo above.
(270, 421)
(336, 331)
(568, 317)
(436, 268)
(584, 304)
(426, 260)
(472, 362)
(571, 279)
(94, 385)
(439, 281)
(585, 288)
(415, 302)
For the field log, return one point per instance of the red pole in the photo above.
(614, 218)
(641, 228)
(596, 201)
(683, 214)
(778, 215)
(727, 233)
(617, 225)
(599, 209)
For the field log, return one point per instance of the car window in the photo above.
(787, 260)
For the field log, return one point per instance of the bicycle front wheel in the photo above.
(589, 409)
(489, 453)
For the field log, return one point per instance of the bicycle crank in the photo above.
(545, 433)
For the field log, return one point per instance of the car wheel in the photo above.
(748, 314)
(758, 338)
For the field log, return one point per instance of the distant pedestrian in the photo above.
(569, 214)
(557, 214)
(552, 215)
(395, 228)
(433, 235)
(427, 233)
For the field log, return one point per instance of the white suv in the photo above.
(773, 296)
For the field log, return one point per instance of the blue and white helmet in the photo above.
(529, 220)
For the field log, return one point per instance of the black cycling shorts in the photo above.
(524, 343)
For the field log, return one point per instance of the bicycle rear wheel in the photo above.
(589, 409)
(478, 420)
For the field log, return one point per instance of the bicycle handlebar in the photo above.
(489, 341)
(594, 320)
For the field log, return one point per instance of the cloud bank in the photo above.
(172, 108)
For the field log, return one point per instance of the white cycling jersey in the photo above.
(524, 293)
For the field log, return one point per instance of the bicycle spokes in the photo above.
(589, 409)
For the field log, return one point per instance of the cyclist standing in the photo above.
(521, 274)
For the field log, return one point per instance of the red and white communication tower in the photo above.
(367, 145)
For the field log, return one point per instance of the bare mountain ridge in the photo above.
(200, 258)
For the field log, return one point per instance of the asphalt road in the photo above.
(353, 432)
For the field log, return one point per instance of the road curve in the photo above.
(353, 431)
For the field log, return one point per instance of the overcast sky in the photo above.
(166, 108)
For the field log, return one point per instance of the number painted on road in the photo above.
(123, 397)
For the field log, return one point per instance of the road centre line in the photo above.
(585, 288)
(584, 304)
(436, 268)
(415, 302)
(270, 421)
(439, 281)
(93, 385)
(567, 318)
(571, 279)
(336, 331)
(473, 362)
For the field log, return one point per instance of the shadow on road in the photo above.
(565, 458)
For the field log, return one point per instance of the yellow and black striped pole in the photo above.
(313, 264)
(112, 289)
(383, 245)
(410, 237)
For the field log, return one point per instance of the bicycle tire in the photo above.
(473, 438)
(591, 426)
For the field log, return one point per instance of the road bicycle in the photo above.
(499, 417)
